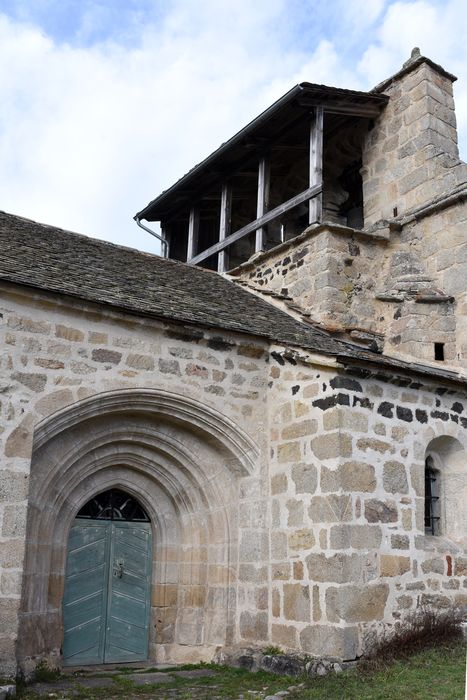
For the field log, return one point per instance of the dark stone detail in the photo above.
(404, 414)
(219, 344)
(295, 389)
(363, 401)
(300, 263)
(438, 403)
(282, 665)
(361, 373)
(291, 360)
(416, 385)
(286, 260)
(331, 401)
(457, 407)
(441, 390)
(401, 381)
(186, 335)
(270, 384)
(421, 415)
(326, 403)
(267, 272)
(345, 383)
(463, 422)
(300, 254)
(398, 313)
(278, 358)
(354, 249)
(325, 386)
(103, 355)
(285, 291)
(386, 409)
(454, 418)
(440, 414)
(343, 399)
(395, 340)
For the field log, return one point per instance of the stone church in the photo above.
(258, 437)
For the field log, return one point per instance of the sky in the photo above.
(105, 103)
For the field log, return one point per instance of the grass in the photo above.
(434, 673)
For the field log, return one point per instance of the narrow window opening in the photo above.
(439, 352)
(394, 211)
(432, 517)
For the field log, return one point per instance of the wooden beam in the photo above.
(193, 231)
(262, 201)
(224, 228)
(316, 164)
(265, 219)
(351, 109)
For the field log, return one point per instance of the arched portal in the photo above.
(182, 462)
(106, 601)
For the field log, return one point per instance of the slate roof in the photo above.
(49, 258)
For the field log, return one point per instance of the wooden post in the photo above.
(316, 164)
(263, 201)
(166, 241)
(224, 228)
(193, 229)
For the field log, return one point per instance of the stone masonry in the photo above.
(284, 476)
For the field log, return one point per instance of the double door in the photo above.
(106, 601)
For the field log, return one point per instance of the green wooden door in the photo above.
(107, 586)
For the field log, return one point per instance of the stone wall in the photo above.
(286, 496)
(403, 277)
(66, 367)
(411, 154)
(349, 548)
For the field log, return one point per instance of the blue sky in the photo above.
(105, 104)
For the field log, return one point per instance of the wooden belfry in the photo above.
(252, 149)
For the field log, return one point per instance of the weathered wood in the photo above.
(263, 201)
(265, 219)
(316, 163)
(341, 107)
(224, 228)
(193, 231)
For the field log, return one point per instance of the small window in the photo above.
(439, 352)
(432, 484)
(113, 505)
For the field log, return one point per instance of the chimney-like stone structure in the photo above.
(411, 154)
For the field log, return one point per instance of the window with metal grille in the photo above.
(431, 498)
(114, 505)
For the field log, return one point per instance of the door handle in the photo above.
(118, 568)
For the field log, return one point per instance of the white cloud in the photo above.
(88, 135)
(438, 29)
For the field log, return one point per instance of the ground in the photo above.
(434, 674)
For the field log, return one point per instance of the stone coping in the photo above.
(408, 67)
(377, 232)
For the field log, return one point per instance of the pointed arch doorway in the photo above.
(106, 601)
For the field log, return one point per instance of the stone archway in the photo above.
(182, 461)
